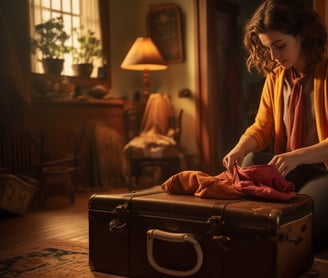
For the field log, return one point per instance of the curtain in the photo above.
(89, 19)
(104, 29)
(89, 16)
(104, 26)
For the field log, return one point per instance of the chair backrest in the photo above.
(18, 152)
(175, 127)
(132, 120)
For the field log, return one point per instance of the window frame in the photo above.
(102, 33)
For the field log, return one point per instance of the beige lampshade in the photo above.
(143, 55)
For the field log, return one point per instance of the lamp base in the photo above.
(146, 77)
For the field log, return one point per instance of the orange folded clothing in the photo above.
(202, 185)
(258, 180)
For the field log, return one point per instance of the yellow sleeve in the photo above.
(268, 125)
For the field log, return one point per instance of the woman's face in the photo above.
(285, 49)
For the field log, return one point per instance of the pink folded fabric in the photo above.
(263, 181)
(258, 180)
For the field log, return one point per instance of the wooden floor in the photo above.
(57, 218)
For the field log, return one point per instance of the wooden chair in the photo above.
(18, 183)
(25, 155)
(63, 170)
(19, 151)
(168, 157)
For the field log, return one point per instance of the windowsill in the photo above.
(82, 101)
(66, 88)
(78, 81)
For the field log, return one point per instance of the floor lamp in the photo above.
(144, 56)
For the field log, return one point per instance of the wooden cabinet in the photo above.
(63, 121)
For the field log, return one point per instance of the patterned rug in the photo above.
(59, 259)
(69, 259)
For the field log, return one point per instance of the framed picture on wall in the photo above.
(164, 28)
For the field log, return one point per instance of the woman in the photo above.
(287, 43)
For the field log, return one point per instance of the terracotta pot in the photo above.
(52, 66)
(83, 70)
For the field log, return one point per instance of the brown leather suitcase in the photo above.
(155, 234)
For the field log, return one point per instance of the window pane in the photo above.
(45, 3)
(76, 21)
(67, 22)
(67, 6)
(76, 24)
(45, 15)
(56, 5)
(76, 6)
(55, 14)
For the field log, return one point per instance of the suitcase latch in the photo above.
(119, 224)
(215, 223)
(121, 209)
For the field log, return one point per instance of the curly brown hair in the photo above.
(288, 17)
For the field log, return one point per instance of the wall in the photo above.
(128, 21)
(14, 21)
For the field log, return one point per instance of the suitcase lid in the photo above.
(247, 213)
(156, 202)
(179, 206)
(268, 213)
(108, 202)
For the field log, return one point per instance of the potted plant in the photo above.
(84, 55)
(50, 38)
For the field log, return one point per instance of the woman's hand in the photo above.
(245, 145)
(236, 155)
(285, 162)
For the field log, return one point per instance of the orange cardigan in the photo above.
(268, 125)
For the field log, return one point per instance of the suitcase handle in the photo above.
(173, 237)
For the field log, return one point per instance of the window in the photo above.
(76, 14)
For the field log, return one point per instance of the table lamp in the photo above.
(144, 56)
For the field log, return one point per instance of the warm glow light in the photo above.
(143, 55)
